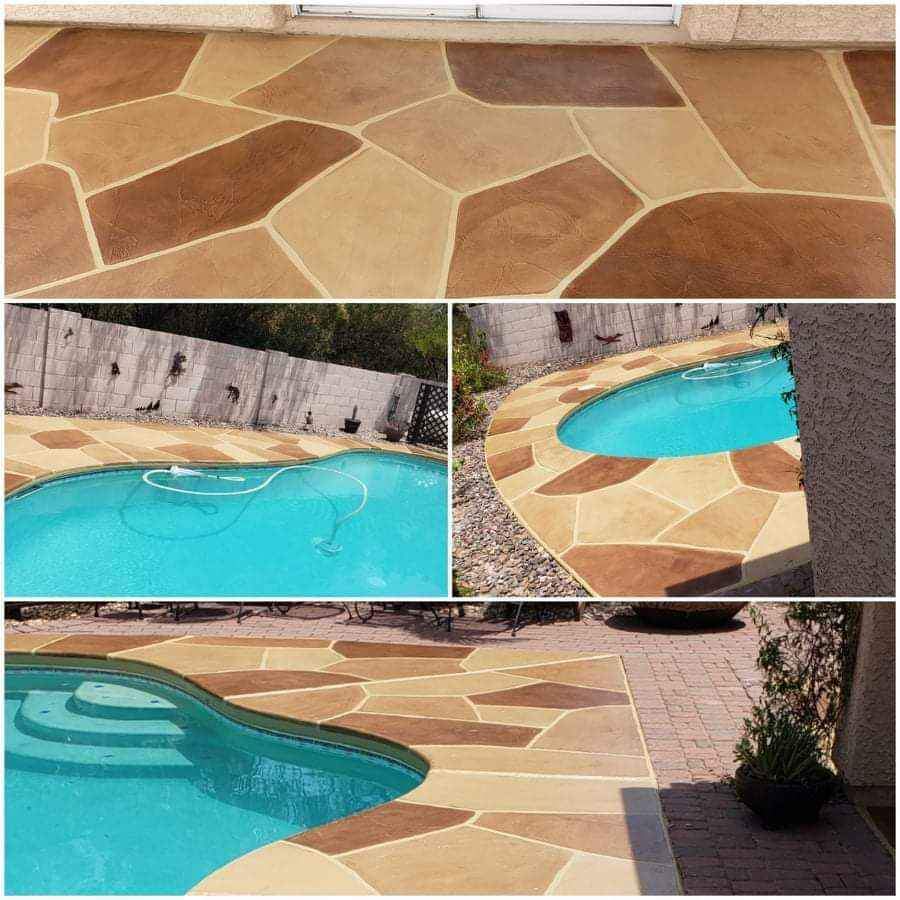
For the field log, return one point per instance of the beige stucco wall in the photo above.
(844, 367)
(864, 752)
(720, 24)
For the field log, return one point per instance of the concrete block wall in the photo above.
(76, 374)
(522, 333)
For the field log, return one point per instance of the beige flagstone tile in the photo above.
(27, 115)
(187, 659)
(517, 438)
(610, 729)
(783, 542)
(537, 762)
(623, 512)
(387, 669)
(553, 518)
(596, 673)
(517, 715)
(434, 707)
(311, 706)
(19, 40)
(25, 643)
(556, 456)
(447, 685)
(589, 876)
(60, 460)
(500, 658)
(301, 658)
(692, 481)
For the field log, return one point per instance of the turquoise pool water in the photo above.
(123, 785)
(724, 405)
(303, 534)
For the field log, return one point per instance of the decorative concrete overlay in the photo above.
(647, 527)
(351, 167)
(42, 447)
(538, 783)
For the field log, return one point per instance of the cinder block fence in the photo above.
(63, 361)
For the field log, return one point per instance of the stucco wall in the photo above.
(864, 751)
(844, 367)
(76, 373)
(733, 23)
(519, 333)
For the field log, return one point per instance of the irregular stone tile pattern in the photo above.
(170, 137)
(623, 526)
(491, 817)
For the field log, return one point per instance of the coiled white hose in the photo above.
(734, 367)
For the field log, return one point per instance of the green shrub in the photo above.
(778, 747)
(472, 374)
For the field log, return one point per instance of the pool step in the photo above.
(46, 715)
(115, 701)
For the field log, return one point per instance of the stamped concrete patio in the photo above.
(41, 447)
(162, 164)
(622, 526)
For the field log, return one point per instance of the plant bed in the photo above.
(686, 615)
(780, 804)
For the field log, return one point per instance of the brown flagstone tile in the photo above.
(529, 407)
(354, 79)
(559, 75)
(21, 468)
(100, 644)
(255, 642)
(692, 481)
(589, 875)
(391, 821)
(767, 466)
(779, 115)
(411, 731)
(523, 237)
(230, 63)
(445, 862)
(749, 245)
(643, 570)
(375, 650)
(25, 643)
(63, 438)
(25, 122)
(18, 40)
(299, 658)
(640, 362)
(580, 395)
(525, 761)
(623, 512)
(372, 228)
(105, 454)
(378, 669)
(551, 518)
(94, 67)
(113, 144)
(45, 236)
(518, 715)
(15, 481)
(260, 681)
(502, 426)
(466, 146)
(308, 706)
(661, 151)
(145, 454)
(630, 837)
(509, 462)
(873, 74)
(609, 729)
(593, 673)
(594, 473)
(424, 707)
(228, 186)
(289, 451)
(567, 378)
(196, 453)
(553, 696)
(727, 349)
(447, 685)
(730, 523)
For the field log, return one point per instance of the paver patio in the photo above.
(688, 525)
(691, 691)
(40, 447)
(160, 164)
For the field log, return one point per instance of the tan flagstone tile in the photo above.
(779, 114)
(26, 117)
(353, 80)
(623, 512)
(11, 481)
(595, 473)
(447, 685)
(196, 453)
(792, 446)
(887, 151)
(376, 650)
(231, 63)
(496, 793)
(269, 642)
(661, 151)
(371, 228)
(241, 454)
(553, 696)
(783, 542)
(526, 235)
(528, 406)
(413, 731)
(499, 658)
(185, 659)
(23, 468)
(113, 144)
(504, 425)
(579, 395)
(609, 729)
(25, 643)
(20, 39)
(551, 518)
(145, 454)
(552, 416)
(283, 869)
(597, 875)
(556, 456)
(310, 706)
(518, 715)
(105, 454)
(692, 481)
(45, 236)
(768, 467)
(515, 760)
(61, 460)
(516, 485)
(444, 861)
(300, 658)
(730, 523)
(16, 444)
(466, 146)
(515, 439)
(629, 837)
(101, 644)
(431, 707)
(378, 669)
(594, 673)
(257, 680)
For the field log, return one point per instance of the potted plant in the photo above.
(394, 430)
(351, 425)
(781, 774)
(677, 614)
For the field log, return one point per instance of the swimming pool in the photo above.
(358, 524)
(708, 408)
(123, 785)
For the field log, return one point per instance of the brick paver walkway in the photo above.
(691, 691)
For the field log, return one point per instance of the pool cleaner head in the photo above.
(181, 472)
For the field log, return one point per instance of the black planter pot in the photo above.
(783, 804)
(675, 615)
(394, 434)
(351, 426)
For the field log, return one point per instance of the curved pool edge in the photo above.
(544, 483)
(415, 843)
